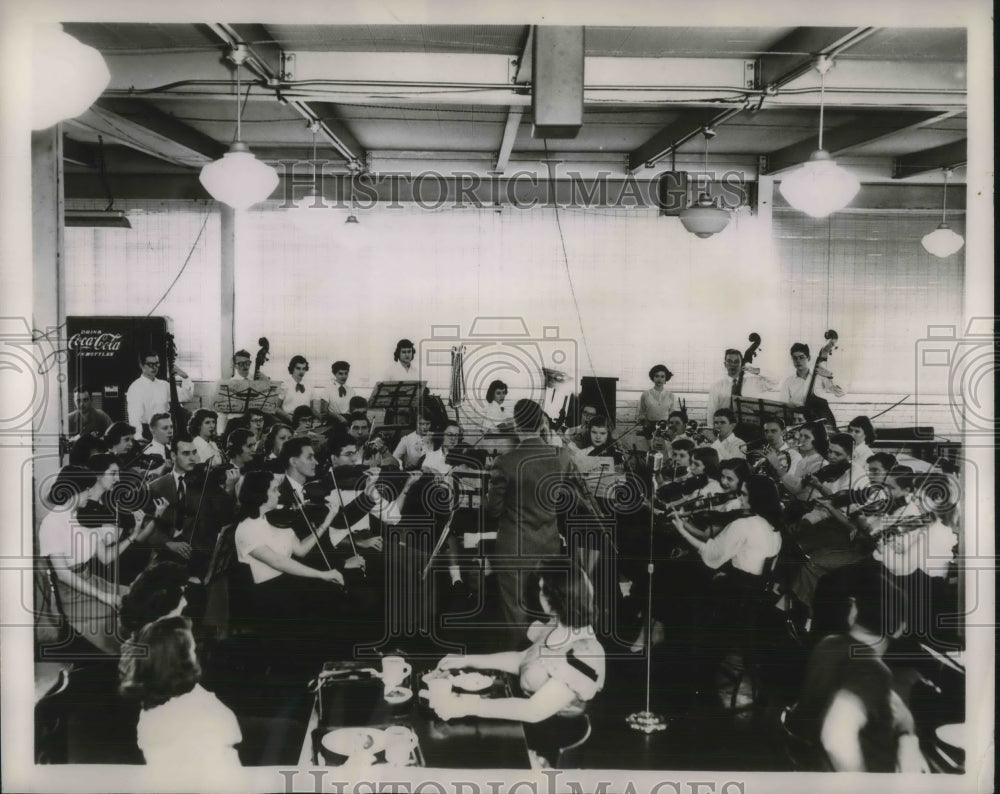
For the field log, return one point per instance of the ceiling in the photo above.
(418, 98)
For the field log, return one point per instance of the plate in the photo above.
(398, 694)
(472, 682)
(351, 741)
(434, 675)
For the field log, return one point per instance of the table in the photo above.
(468, 743)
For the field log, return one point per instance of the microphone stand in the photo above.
(646, 721)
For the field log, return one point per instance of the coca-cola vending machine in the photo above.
(103, 356)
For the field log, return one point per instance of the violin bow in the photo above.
(350, 534)
(315, 534)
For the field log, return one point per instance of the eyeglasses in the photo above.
(242, 364)
(151, 363)
(452, 435)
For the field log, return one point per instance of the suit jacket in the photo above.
(531, 487)
(206, 511)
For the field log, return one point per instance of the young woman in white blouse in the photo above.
(184, 731)
(499, 418)
(201, 428)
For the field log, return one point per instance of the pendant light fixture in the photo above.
(67, 77)
(943, 242)
(705, 217)
(238, 179)
(820, 187)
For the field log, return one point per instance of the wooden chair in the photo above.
(569, 756)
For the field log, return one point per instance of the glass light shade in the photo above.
(942, 241)
(819, 187)
(239, 179)
(705, 217)
(67, 77)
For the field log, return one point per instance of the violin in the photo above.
(832, 471)
(673, 491)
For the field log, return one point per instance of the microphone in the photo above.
(657, 461)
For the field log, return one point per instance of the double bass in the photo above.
(178, 413)
(818, 407)
(259, 360)
(748, 357)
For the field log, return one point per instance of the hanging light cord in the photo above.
(822, 87)
(944, 198)
(238, 114)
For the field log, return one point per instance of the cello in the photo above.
(817, 406)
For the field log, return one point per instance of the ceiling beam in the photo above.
(507, 141)
(796, 53)
(874, 126)
(152, 118)
(525, 66)
(79, 153)
(262, 64)
(150, 138)
(676, 134)
(951, 155)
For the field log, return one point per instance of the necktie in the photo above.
(299, 387)
(342, 391)
(181, 496)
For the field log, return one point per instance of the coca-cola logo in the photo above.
(94, 343)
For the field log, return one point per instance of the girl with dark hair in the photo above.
(448, 439)
(813, 448)
(656, 403)
(498, 418)
(184, 730)
(201, 430)
(273, 442)
(560, 671)
(127, 526)
(863, 433)
(89, 601)
(741, 550)
(402, 367)
(284, 590)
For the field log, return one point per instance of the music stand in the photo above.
(395, 395)
(754, 411)
(238, 400)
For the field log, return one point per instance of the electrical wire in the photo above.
(569, 275)
(187, 259)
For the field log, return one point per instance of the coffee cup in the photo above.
(395, 669)
(437, 687)
(399, 741)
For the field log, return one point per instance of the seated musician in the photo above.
(201, 429)
(161, 430)
(86, 420)
(498, 417)
(794, 387)
(601, 443)
(175, 525)
(273, 442)
(237, 386)
(240, 446)
(118, 440)
(255, 421)
(128, 523)
(656, 403)
(703, 480)
(848, 708)
(413, 446)
(559, 672)
(373, 452)
(294, 391)
(679, 467)
(726, 443)
(443, 444)
(839, 477)
(89, 602)
(304, 426)
(185, 732)
(677, 426)
(863, 433)
(286, 591)
(812, 448)
(85, 447)
(745, 544)
(774, 436)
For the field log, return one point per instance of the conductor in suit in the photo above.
(530, 487)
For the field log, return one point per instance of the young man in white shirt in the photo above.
(148, 395)
(727, 444)
(794, 387)
(720, 393)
